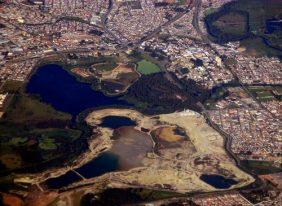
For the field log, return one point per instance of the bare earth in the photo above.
(177, 167)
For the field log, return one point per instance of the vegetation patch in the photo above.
(110, 74)
(125, 196)
(264, 93)
(155, 93)
(25, 109)
(108, 64)
(168, 134)
(10, 160)
(227, 26)
(46, 143)
(254, 22)
(261, 167)
(12, 86)
(30, 129)
(147, 67)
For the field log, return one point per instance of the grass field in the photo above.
(146, 67)
(263, 93)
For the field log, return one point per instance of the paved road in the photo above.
(42, 55)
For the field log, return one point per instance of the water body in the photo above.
(218, 181)
(273, 25)
(64, 92)
(62, 181)
(128, 151)
(115, 122)
(131, 147)
(104, 163)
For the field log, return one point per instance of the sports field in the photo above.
(146, 67)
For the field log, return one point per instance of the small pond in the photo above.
(115, 122)
(218, 181)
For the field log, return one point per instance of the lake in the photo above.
(102, 164)
(218, 181)
(115, 122)
(63, 180)
(64, 92)
(128, 151)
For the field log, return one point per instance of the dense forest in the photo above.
(159, 94)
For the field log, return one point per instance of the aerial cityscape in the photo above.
(140, 102)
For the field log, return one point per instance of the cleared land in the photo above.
(176, 168)
(112, 81)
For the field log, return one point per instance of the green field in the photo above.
(146, 67)
(263, 93)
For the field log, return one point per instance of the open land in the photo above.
(201, 152)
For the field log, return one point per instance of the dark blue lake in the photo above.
(102, 164)
(64, 92)
(115, 122)
(63, 180)
(218, 181)
(273, 25)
